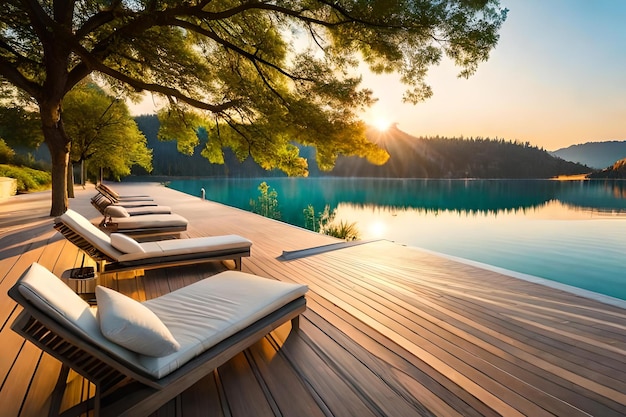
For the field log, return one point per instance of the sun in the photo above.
(382, 123)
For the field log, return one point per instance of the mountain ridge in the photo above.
(597, 155)
(423, 157)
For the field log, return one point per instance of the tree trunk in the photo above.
(70, 180)
(59, 180)
(59, 146)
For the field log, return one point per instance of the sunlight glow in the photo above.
(382, 124)
(377, 229)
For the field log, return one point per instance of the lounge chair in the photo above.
(121, 211)
(119, 252)
(146, 224)
(115, 196)
(141, 355)
(101, 202)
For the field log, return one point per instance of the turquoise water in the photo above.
(572, 232)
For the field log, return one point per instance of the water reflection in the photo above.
(489, 197)
(597, 196)
(566, 231)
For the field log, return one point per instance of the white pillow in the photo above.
(132, 325)
(125, 244)
(42, 288)
(116, 211)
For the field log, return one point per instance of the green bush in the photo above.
(6, 153)
(28, 179)
(324, 222)
(267, 202)
(343, 230)
(27, 160)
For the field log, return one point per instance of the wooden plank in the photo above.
(202, 399)
(288, 391)
(518, 371)
(336, 303)
(413, 374)
(475, 374)
(18, 379)
(171, 409)
(359, 287)
(368, 376)
(244, 392)
(37, 401)
(12, 345)
(338, 395)
(7, 305)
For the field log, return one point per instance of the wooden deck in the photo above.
(389, 330)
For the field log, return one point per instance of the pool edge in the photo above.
(603, 298)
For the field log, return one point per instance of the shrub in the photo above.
(28, 179)
(6, 153)
(343, 230)
(310, 221)
(28, 160)
(267, 202)
(324, 223)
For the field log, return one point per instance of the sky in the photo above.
(556, 78)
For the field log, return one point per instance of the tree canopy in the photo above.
(103, 133)
(258, 75)
(20, 127)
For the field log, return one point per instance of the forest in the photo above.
(410, 157)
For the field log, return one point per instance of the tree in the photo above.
(103, 132)
(20, 127)
(262, 74)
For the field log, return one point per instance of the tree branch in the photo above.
(11, 73)
(157, 88)
(251, 57)
(266, 82)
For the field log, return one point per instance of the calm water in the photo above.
(573, 232)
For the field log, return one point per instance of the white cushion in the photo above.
(143, 210)
(196, 245)
(203, 314)
(128, 323)
(150, 221)
(125, 243)
(50, 295)
(116, 211)
(131, 204)
(89, 232)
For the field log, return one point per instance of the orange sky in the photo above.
(556, 78)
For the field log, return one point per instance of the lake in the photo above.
(572, 232)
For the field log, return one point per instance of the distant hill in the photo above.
(615, 171)
(413, 157)
(597, 155)
(410, 157)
